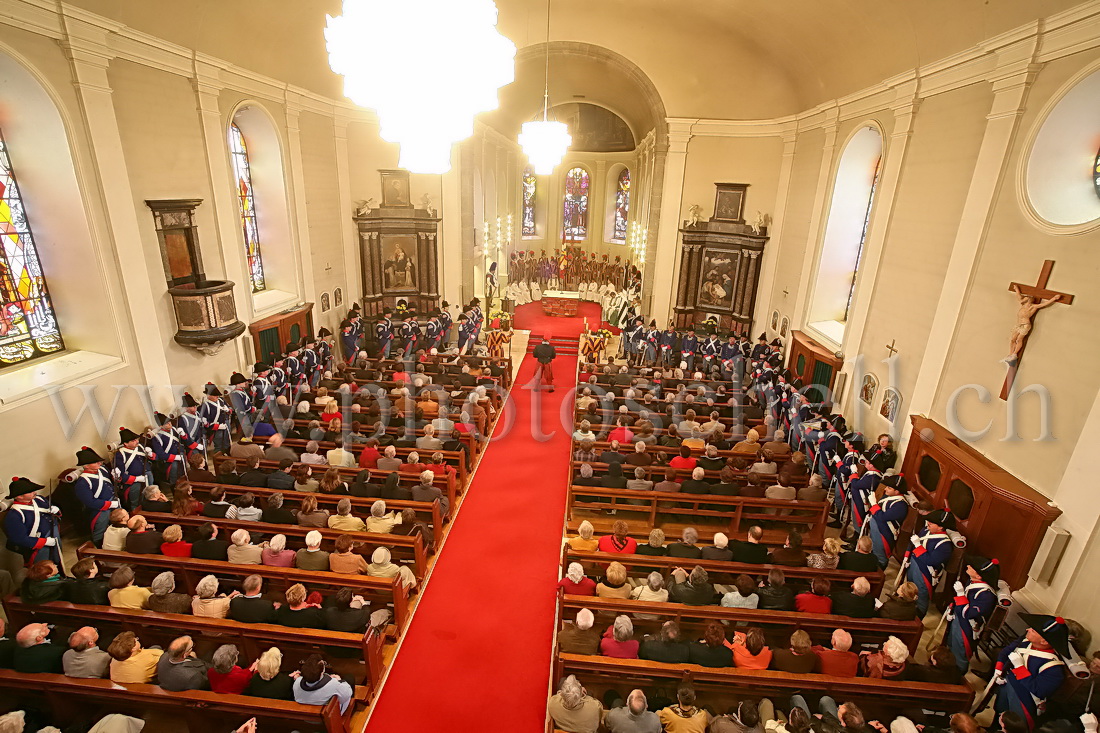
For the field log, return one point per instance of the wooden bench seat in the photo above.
(778, 625)
(403, 549)
(728, 511)
(70, 698)
(721, 571)
(430, 513)
(657, 473)
(601, 445)
(189, 571)
(161, 628)
(872, 695)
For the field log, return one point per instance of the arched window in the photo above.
(622, 206)
(529, 189)
(846, 229)
(575, 213)
(28, 327)
(247, 202)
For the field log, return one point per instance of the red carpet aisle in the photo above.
(477, 654)
(529, 317)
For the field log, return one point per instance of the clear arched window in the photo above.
(28, 327)
(529, 189)
(622, 205)
(247, 202)
(575, 212)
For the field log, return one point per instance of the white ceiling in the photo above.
(736, 59)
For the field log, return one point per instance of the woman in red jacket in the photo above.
(575, 583)
(817, 600)
(173, 544)
(683, 461)
(618, 541)
(225, 676)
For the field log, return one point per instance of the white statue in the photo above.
(426, 203)
(696, 212)
(363, 208)
(761, 222)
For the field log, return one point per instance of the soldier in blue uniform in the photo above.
(465, 333)
(885, 517)
(760, 351)
(240, 399)
(633, 338)
(215, 416)
(96, 492)
(709, 350)
(190, 426)
(1032, 668)
(433, 334)
(689, 347)
(929, 551)
(445, 323)
(667, 343)
(324, 340)
(132, 467)
(476, 316)
(861, 492)
(279, 377)
(168, 452)
(292, 365)
(350, 331)
(383, 332)
(311, 362)
(971, 608)
(31, 524)
(262, 391)
(410, 334)
(651, 339)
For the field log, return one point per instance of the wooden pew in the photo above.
(597, 561)
(779, 625)
(872, 695)
(601, 445)
(431, 513)
(734, 510)
(252, 639)
(403, 549)
(657, 473)
(189, 571)
(70, 699)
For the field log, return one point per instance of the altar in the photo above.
(560, 302)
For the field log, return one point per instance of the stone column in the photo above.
(349, 236)
(672, 189)
(764, 303)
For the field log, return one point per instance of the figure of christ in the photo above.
(1029, 306)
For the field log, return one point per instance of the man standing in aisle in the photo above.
(545, 354)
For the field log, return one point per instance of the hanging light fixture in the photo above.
(388, 51)
(544, 141)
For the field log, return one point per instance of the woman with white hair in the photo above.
(889, 663)
(618, 641)
(584, 541)
(686, 547)
(653, 591)
(276, 554)
(572, 708)
(207, 601)
(164, 600)
(380, 566)
(584, 432)
(270, 682)
(224, 674)
(575, 583)
(379, 520)
(305, 412)
(312, 455)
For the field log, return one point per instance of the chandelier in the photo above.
(544, 141)
(427, 68)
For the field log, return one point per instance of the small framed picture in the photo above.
(775, 320)
(324, 302)
(868, 389)
(891, 404)
(395, 188)
(729, 202)
(337, 297)
(784, 326)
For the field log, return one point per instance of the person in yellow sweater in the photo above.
(123, 592)
(344, 520)
(584, 541)
(130, 663)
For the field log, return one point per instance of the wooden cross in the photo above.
(890, 347)
(1039, 292)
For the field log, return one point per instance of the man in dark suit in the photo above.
(253, 476)
(276, 513)
(34, 653)
(858, 603)
(86, 587)
(143, 538)
(252, 607)
(282, 479)
(208, 546)
(751, 550)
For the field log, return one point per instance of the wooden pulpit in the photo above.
(999, 514)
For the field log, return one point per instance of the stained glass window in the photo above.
(239, 154)
(529, 183)
(862, 238)
(1096, 173)
(28, 327)
(622, 206)
(576, 205)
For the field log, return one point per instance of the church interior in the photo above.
(342, 341)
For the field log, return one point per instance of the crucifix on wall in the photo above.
(891, 348)
(1032, 298)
